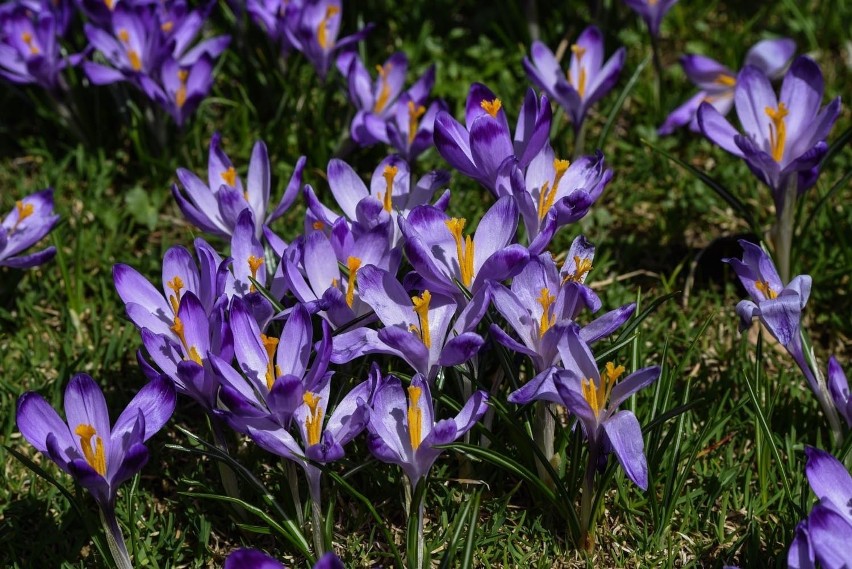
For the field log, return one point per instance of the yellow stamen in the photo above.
(229, 176)
(610, 377)
(353, 264)
(414, 114)
(96, 458)
(545, 300)
(385, 91)
(421, 307)
(582, 266)
(464, 249)
(492, 107)
(167, 26)
(579, 52)
(318, 225)
(335, 282)
(24, 211)
(322, 32)
(389, 175)
(597, 395)
(777, 130)
(254, 264)
(547, 194)
(270, 344)
(194, 355)
(766, 290)
(313, 422)
(109, 4)
(415, 417)
(176, 284)
(135, 61)
(191, 351)
(180, 94)
(27, 38)
(725, 80)
(124, 35)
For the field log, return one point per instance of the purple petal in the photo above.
(37, 419)
(828, 478)
(156, 402)
(625, 436)
(85, 405)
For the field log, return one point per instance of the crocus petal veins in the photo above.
(547, 195)
(415, 417)
(96, 458)
(385, 90)
(176, 284)
(766, 290)
(322, 31)
(492, 107)
(270, 344)
(546, 300)
(464, 249)
(777, 130)
(579, 52)
(414, 114)
(421, 307)
(353, 264)
(313, 422)
(389, 174)
(254, 264)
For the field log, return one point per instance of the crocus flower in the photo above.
(150, 308)
(254, 559)
(652, 11)
(416, 327)
(24, 226)
(594, 397)
(247, 259)
(784, 137)
(716, 82)
(838, 386)
(403, 429)
(315, 33)
(479, 148)
(275, 16)
(215, 207)
(30, 50)
(825, 534)
(587, 80)
(442, 254)
(411, 127)
(98, 456)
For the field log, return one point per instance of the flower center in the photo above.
(597, 395)
(389, 174)
(777, 130)
(176, 284)
(385, 90)
(229, 176)
(254, 264)
(24, 211)
(545, 300)
(313, 422)
(272, 371)
(132, 54)
(109, 4)
(191, 351)
(464, 249)
(415, 417)
(414, 113)
(547, 194)
(421, 307)
(353, 264)
(318, 225)
(180, 94)
(96, 458)
(492, 107)
(582, 265)
(725, 80)
(167, 26)
(27, 38)
(579, 51)
(766, 290)
(322, 28)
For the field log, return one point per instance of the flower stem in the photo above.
(115, 539)
(544, 433)
(658, 69)
(820, 387)
(228, 476)
(314, 487)
(419, 495)
(782, 231)
(587, 521)
(579, 140)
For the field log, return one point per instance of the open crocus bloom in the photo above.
(479, 148)
(254, 559)
(403, 429)
(782, 136)
(99, 456)
(652, 11)
(31, 219)
(215, 207)
(416, 328)
(716, 82)
(824, 536)
(594, 397)
(587, 80)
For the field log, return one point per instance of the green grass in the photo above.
(717, 492)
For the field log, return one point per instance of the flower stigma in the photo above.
(272, 371)
(322, 28)
(777, 130)
(545, 300)
(176, 284)
(582, 266)
(353, 264)
(547, 195)
(254, 264)
(313, 422)
(192, 351)
(414, 113)
(96, 458)
(421, 307)
(766, 290)
(389, 174)
(24, 211)
(597, 395)
(385, 90)
(579, 51)
(415, 417)
(464, 249)
(492, 107)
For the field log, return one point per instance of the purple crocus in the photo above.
(412, 124)
(652, 11)
(417, 328)
(254, 559)
(215, 207)
(31, 219)
(716, 81)
(479, 148)
(838, 386)
(30, 50)
(403, 429)
(587, 80)
(825, 534)
(99, 456)
(275, 16)
(443, 255)
(784, 136)
(315, 33)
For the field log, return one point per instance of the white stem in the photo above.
(115, 540)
